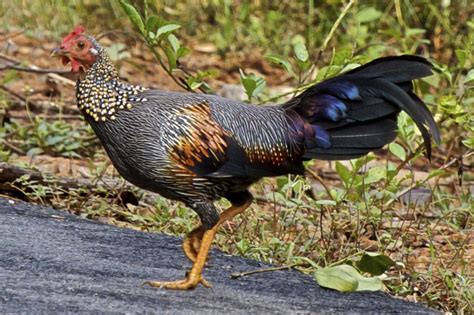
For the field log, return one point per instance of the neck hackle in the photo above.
(101, 94)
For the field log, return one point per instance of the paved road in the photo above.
(54, 262)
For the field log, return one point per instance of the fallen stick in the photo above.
(10, 173)
(237, 275)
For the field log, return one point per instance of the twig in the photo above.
(237, 275)
(320, 180)
(334, 28)
(46, 117)
(458, 158)
(13, 147)
(408, 159)
(323, 47)
(13, 93)
(157, 55)
(53, 76)
(445, 166)
(266, 200)
(33, 70)
(10, 36)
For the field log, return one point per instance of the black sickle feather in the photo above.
(356, 112)
(396, 69)
(416, 109)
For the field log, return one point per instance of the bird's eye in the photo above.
(80, 45)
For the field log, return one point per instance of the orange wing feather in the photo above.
(201, 146)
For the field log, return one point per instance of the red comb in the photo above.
(79, 29)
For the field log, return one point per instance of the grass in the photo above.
(355, 207)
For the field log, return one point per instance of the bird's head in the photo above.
(78, 49)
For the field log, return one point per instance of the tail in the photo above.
(350, 115)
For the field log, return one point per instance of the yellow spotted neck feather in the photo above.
(101, 94)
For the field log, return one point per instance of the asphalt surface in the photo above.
(54, 262)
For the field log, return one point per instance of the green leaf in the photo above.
(344, 172)
(462, 55)
(340, 278)
(415, 31)
(281, 62)
(375, 174)
(53, 140)
(469, 76)
(469, 143)
(152, 23)
(369, 284)
(301, 52)
(165, 29)
(182, 51)
(193, 83)
(327, 72)
(252, 84)
(435, 173)
(174, 42)
(342, 56)
(281, 181)
(397, 150)
(327, 202)
(367, 15)
(374, 263)
(34, 151)
(171, 56)
(345, 278)
(133, 15)
(358, 163)
(8, 76)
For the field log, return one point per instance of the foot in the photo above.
(185, 284)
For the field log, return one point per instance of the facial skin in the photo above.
(77, 49)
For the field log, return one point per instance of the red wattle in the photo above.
(65, 60)
(75, 65)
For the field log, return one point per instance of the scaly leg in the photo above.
(192, 243)
(194, 277)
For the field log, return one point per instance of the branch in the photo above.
(33, 69)
(36, 69)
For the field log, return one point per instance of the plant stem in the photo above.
(334, 27)
(162, 64)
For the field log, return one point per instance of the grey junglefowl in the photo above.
(197, 148)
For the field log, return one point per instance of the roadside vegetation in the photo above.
(393, 220)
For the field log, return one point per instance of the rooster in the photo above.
(197, 148)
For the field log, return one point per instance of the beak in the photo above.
(58, 51)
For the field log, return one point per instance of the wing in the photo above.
(198, 143)
(216, 137)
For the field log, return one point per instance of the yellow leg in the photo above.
(192, 243)
(194, 277)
